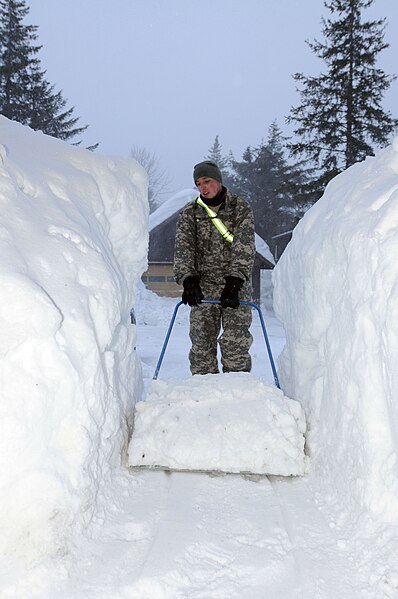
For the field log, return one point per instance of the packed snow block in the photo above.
(219, 422)
(336, 292)
(72, 245)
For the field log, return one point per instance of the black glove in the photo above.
(230, 294)
(192, 294)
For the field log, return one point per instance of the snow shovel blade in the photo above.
(212, 473)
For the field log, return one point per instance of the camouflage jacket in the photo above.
(201, 250)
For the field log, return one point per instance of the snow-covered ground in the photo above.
(75, 522)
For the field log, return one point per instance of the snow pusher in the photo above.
(218, 423)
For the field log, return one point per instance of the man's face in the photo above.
(208, 187)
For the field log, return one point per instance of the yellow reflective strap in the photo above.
(216, 221)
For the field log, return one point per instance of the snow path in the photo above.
(194, 536)
(213, 535)
(197, 536)
(323, 557)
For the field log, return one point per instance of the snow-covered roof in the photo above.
(263, 249)
(178, 201)
(171, 206)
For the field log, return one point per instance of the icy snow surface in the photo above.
(224, 422)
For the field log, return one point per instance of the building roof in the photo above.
(181, 199)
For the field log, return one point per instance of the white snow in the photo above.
(72, 242)
(263, 249)
(336, 291)
(223, 422)
(74, 522)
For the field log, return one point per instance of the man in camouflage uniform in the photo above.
(210, 266)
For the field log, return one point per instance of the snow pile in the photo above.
(336, 291)
(72, 244)
(224, 422)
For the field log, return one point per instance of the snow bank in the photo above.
(224, 422)
(336, 291)
(72, 244)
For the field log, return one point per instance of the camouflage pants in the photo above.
(206, 322)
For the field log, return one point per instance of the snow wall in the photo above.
(73, 242)
(336, 291)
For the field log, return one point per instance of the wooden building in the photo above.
(162, 227)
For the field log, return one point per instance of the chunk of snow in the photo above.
(223, 422)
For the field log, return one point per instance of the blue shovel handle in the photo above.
(242, 303)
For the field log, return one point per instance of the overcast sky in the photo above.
(170, 75)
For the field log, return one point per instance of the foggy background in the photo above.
(170, 75)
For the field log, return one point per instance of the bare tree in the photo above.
(157, 176)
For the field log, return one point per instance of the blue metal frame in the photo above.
(243, 303)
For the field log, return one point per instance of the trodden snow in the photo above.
(75, 521)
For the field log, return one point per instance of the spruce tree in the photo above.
(272, 185)
(215, 154)
(340, 119)
(25, 94)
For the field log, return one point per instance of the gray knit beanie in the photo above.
(207, 169)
